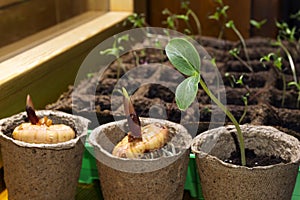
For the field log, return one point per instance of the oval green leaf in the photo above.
(184, 56)
(186, 92)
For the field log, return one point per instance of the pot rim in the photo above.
(201, 154)
(60, 145)
(216, 159)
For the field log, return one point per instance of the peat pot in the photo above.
(158, 175)
(220, 180)
(42, 171)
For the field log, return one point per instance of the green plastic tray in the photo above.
(88, 172)
(296, 194)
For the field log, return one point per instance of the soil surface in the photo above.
(254, 160)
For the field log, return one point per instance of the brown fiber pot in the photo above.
(220, 180)
(42, 171)
(154, 178)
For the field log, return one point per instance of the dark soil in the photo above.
(264, 86)
(254, 160)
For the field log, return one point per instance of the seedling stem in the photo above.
(231, 117)
(230, 24)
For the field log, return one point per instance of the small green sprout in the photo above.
(220, 15)
(213, 61)
(289, 56)
(172, 20)
(231, 78)
(190, 12)
(230, 24)
(285, 32)
(233, 81)
(258, 24)
(239, 81)
(277, 62)
(137, 20)
(296, 15)
(235, 53)
(245, 100)
(90, 75)
(206, 110)
(185, 58)
(116, 50)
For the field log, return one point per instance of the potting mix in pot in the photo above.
(252, 159)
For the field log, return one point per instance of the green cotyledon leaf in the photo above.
(186, 92)
(184, 56)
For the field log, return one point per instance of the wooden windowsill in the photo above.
(23, 62)
(33, 40)
(34, 70)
